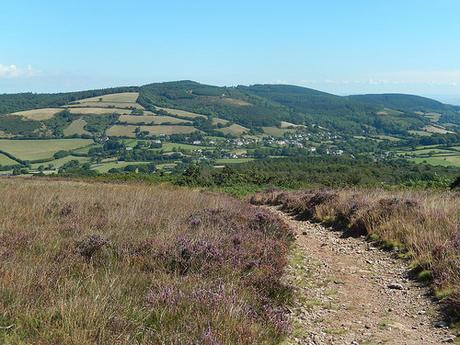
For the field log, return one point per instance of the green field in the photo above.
(453, 161)
(168, 147)
(57, 163)
(233, 160)
(128, 130)
(105, 167)
(275, 131)
(40, 149)
(434, 155)
(6, 161)
(76, 127)
(234, 129)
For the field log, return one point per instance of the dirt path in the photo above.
(348, 292)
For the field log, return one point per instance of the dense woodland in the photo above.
(10, 103)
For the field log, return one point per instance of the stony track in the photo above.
(350, 292)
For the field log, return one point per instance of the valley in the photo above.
(176, 124)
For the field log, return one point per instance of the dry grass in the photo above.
(76, 127)
(99, 111)
(112, 105)
(39, 114)
(128, 130)
(181, 113)
(124, 97)
(425, 226)
(234, 129)
(135, 264)
(149, 119)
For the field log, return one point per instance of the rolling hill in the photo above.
(212, 107)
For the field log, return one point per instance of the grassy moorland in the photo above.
(422, 225)
(86, 263)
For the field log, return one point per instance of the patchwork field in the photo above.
(39, 114)
(40, 149)
(57, 163)
(168, 147)
(234, 129)
(275, 131)
(76, 127)
(99, 111)
(434, 155)
(218, 121)
(6, 161)
(125, 97)
(285, 124)
(233, 160)
(149, 119)
(181, 113)
(435, 129)
(129, 130)
(105, 167)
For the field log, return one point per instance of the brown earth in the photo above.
(350, 292)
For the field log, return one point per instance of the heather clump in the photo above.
(85, 263)
(424, 226)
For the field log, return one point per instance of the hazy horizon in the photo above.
(342, 48)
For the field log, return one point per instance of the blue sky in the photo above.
(341, 46)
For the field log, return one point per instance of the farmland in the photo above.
(434, 155)
(40, 149)
(99, 111)
(105, 167)
(234, 129)
(129, 131)
(57, 163)
(125, 97)
(39, 114)
(150, 119)
(181, 113)
(76, 127)
(6, 161)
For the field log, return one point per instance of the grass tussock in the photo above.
(422, 225)
(117, 264)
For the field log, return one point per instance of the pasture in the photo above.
(124, 97)
(150, 119)
(181, 113)
(434, 155)
(105, 167)
(234, 130)
(39, 114)
(57, 163)
(217, 121)
(233, 160)
(169, 147)
(129, 130)
(106, 105)
(285, 124)
(6, 161)
(76, 127)
(99, 111)
(31, 150)
(275, 131)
